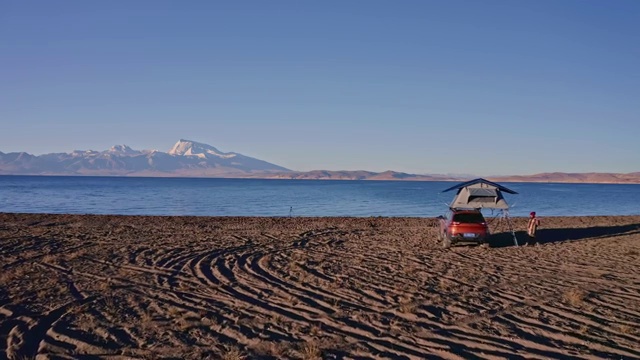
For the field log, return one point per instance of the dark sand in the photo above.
(120, 287)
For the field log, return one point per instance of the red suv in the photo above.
(463, 225)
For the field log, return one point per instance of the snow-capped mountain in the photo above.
(192, 148)
(123, 150)
(186, 158)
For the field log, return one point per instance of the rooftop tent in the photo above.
(479, 193)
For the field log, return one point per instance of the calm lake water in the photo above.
(253, 197)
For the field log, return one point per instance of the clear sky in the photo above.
(482, 87)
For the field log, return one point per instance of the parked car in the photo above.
(463, 225)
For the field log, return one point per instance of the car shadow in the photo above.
(546, 236)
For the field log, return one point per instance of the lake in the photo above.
(257, 197)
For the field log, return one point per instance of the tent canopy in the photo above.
(481, 181)
(479, 193)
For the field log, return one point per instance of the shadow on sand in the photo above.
(546, 236)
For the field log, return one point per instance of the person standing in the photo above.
(532, 227)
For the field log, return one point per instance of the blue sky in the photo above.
(482, 87)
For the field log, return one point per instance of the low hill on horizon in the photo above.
(359, 175)
(556, 177)
(561, 177)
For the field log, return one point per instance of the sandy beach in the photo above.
(149, 287)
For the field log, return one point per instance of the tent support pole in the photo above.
(501, 220)
(513, 233)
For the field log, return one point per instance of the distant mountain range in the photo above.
(185, 158)
(193, 159)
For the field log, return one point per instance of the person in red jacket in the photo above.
(532, 227)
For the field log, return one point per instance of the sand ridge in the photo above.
(120, 287)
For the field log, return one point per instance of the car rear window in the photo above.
(468, 218)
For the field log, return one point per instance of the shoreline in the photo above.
(562, 221)
(294, 216)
